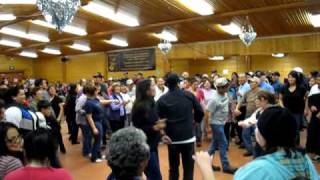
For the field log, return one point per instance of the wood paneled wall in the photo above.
(307, 61)
(76, 68)
(162, 66)
(261, 46)
(19, 64)
(302, 50)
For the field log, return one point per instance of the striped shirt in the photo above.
(8, 164)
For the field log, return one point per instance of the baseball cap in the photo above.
(129, 82)
(221, 82)
(255, 79)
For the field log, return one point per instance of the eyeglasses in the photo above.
(16, 139)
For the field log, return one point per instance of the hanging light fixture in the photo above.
(58, 12)
(165, 46)
(248, 34)
(167, 36)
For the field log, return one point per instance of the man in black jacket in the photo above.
(181, 109)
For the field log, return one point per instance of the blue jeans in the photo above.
(246, 137)
(153, 168)
(87, 136)
(96, 153)
(219, 140)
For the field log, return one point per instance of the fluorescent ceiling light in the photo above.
(18, 1)
(107, 11)
(201, 7)
(51, 50)
(217, 58)
(167, 35)
(231, 28)
(81, 46)
(10, 43)
(30, 54)
(315, 19)
(68, 29)
(278, 55)
(22, 34)
(117, 42)
(7, 17)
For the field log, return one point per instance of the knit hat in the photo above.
(278, 127)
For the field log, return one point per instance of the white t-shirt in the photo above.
(314, 90)
(160, 93)
(126, 97)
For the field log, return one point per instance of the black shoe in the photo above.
(77, 142)
(63, 150)
(216, 168)
(230, 170)
(247, 154)
(238, 143)
(199, 144)
(241, 146)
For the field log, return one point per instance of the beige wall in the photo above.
(19, 64)
(84, 66)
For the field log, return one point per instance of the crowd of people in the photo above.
(124, 121)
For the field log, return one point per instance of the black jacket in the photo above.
(181, 109)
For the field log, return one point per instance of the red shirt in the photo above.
(33, 173)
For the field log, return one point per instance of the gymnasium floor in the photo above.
(82, 169)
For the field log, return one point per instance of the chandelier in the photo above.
(58, 12)
(165, 46)
(248, 34)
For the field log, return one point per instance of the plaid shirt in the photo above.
(297, 164)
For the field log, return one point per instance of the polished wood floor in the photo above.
(82, 169)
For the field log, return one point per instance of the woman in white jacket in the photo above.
(263, 101)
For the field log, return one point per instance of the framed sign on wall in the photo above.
(132, 60)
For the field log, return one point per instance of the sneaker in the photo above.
(230, 170)
(247, 154)
(216, 168)
(97, 161)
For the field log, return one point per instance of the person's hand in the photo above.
(237, 112)
(160, 124)
(95, 131)
(313, 109)
(125, 102)
(241, 123)
(318, 115)
(166, 139)
(306, 113)
(116, 101)
(202, 159)
(61, 105)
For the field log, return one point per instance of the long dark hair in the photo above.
(72, 89)
(278, 128)
(143, 102)
(4, 151)
(298, 76)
